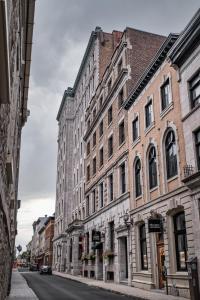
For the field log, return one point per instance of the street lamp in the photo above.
(126, 218)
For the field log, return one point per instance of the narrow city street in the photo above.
(51, 287)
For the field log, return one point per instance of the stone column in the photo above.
(75, 254)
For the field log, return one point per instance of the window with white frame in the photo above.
(149, 114)
(152, 167)
(166, 98)
(123, 178)
(135, 129)
(101, 195)
(110, 187)
(171, 154)
(194, 86)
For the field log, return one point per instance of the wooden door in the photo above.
(161, 264)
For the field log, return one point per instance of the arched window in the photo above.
(152, 168)
(171, 155)
(138, 188)
(180, 241)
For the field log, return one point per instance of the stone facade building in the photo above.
(38, 240)
(70, 204)
(156, 169)
(185, 57)
(107, 197)
(105, 77)
(16, 29)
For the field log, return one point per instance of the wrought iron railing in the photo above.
(188, 170)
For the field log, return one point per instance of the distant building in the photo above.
(38, 240)
(48, 247)
(42, 244)
(16, 30)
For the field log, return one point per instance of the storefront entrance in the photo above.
(123, 259)
(161, 260)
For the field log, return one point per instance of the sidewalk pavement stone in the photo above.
(20, 289)
(121, 289)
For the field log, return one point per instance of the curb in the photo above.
(103, 288)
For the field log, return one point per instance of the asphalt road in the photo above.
(50, 287)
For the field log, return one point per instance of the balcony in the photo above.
(191, 176)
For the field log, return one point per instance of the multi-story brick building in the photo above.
(185, 57)
(70, 204)
(160, 212)
(106, 164)
(16, 29)
(48, 247)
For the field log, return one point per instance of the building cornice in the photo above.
(187, 42)
(115, 202)
(154, 65)
(28, 50)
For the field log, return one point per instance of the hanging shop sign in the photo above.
(96, 236)
(155, 225)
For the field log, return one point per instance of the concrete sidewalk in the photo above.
(121, 289)
(20, 289)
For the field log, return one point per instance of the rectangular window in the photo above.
(94, 113)
(93, 201)
(101, 102)
(87, 242)
(149, 114)
(123, 178)
(110, 182)
(165, 95)
(110, 146)
(197, 142)
(88, 148)
(194, 86)
(121, 133)
(112, 236)
(143, 247)
(121, 98)
(94, 139)
(109, 85)
(135, 129)
(101, 200)
(94, 165)
(180, 241)
(101, 129)
(101, 157)
(110, 115)
(88, 124)
(80, 194)
(87, 206)
(119, 66)
(88, 173)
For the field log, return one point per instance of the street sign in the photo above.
(155, 225)
(96, 236)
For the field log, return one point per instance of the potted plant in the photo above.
(108, 254)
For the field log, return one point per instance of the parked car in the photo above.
(45, 270)
(33, 267)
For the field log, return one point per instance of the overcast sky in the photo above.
(61, 33)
